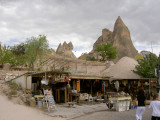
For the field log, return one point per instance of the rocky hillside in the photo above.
(120, 37)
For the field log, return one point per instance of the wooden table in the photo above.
(39, 96)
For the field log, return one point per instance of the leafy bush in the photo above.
(14, 86)
(91, 58)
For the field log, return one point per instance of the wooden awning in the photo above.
(89, 77)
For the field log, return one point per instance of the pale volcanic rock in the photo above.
(65, 50)
(144, 53)
(105, 37)
(122, 40)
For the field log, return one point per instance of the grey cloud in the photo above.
(85, 18)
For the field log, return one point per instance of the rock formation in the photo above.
(52, 51)
(105, 37)
(144, 53)
(65, 50)
(120, 37)
(122, 40)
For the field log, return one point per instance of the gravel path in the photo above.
(113, 115)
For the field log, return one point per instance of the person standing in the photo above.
(155, 105)
(141, 104)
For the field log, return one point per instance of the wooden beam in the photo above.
(65, 95)
(25, 77)
(45, 76)
(88, 77)
(58, 95)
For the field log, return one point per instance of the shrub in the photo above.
(15, 86)
(91, 58)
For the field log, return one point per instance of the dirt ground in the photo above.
(11, 110)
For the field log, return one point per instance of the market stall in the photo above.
(118, 101)
(44, 89)
(89, 88)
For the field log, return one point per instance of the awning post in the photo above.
(45, 76)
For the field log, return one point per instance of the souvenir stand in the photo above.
(119, 101)
(49, 87)
(49, 100)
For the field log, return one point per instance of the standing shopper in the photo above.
(155, 105)
(141, 104)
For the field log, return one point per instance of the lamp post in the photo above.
(157, 72)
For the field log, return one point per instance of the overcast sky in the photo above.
(79, 21)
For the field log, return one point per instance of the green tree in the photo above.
(19, 54)
(146, 66)
(35, 48)
(6, 55)
(19, 49)
(138, 57)
(107, 51)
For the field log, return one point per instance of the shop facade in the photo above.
(37, 82)
(86, 86)
(131, 86)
